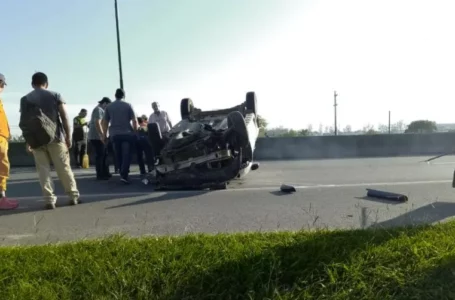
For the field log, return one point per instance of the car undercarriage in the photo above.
(206, 149)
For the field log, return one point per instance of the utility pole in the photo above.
(118, 46)
(335, 107)
(389, 123)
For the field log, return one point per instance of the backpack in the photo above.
(37, 128)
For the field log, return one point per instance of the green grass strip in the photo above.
(403, 263)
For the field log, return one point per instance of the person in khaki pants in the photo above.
(53, 105)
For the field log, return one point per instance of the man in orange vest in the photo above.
(5, 203)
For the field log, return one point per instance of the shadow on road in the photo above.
(430, 213)
(165, 197)
(28, 191)
(279, 193)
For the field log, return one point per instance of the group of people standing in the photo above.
(113, 128)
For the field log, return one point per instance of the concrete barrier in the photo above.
(19, 157)
(321, 147)
(380, 145)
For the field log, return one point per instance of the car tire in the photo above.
(186, 108)
(236, 122)
(251, 102)
(155, 136)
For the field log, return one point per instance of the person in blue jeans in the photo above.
(111, 153)
(143, 147)
(121, 117)
(95, 136)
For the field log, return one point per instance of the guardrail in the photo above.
(320, 147)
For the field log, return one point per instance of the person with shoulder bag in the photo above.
(46, 129)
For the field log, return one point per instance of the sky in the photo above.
(379, 55)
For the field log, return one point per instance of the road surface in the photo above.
(330, 194)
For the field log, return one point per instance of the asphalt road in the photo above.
(330, 194)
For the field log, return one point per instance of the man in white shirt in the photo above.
(161, 117)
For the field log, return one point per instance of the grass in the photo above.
(404, 263)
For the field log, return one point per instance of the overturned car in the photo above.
(206, 149)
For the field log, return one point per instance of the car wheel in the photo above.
(251, 102)
(186, 108)
(237, 124)
(155, 137)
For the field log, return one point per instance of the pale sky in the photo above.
(378, 55)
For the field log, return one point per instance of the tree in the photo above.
(321, 129)
(286, 132)
(347, 129)
(304, 132)
(328, 130)
(421, 126)
(398, 127)
(369, 129)
(383, 128)
(262, 123)
(310, 129)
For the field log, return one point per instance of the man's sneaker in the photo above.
(75, 201)
(50, 206)
(7, 204)
(124, 180)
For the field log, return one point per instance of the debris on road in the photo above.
(436, 157)
(386, 195)
(287, 188)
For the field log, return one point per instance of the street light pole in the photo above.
(390, 131)
(118, 47)
(335, 104)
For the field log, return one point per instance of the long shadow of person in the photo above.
(29, 193)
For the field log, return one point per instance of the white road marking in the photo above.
(246, 189)
(364, 184)
(16, 236)
(442, 163)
